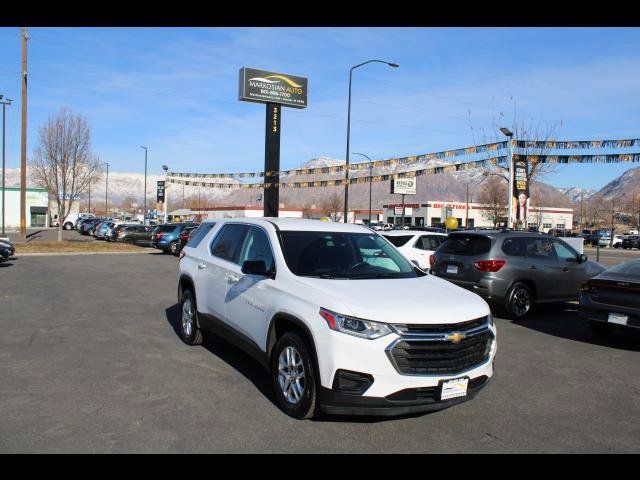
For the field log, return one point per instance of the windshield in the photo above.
(398, 240)
(343, 256)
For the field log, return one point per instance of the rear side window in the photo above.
(465, 245)
(398, 240)
(228, 242)
(199, 234)
(429, 242)
(515, 247)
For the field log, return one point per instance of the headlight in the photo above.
(355, 326)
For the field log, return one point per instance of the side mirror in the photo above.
(582, 258)
(255, 267)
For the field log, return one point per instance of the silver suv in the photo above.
(513, 270)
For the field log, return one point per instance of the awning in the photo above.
(39, 210)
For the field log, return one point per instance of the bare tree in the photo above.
(63, 162)
(494, 199)
(333, 204)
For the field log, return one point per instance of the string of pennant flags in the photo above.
(447, 154)
(453, 167)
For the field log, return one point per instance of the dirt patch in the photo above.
(71, 246)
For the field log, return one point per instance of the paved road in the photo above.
(90, 362)
(611, 256)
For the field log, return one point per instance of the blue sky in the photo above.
(175, 90)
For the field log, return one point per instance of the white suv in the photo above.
(341, 320)
(417, 246)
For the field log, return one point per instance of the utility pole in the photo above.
(581, 210)
(466, 222)
(89, 197)
(5, 102)
(144, 212)
(23, 148)
(106, 192)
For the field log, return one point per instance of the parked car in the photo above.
(112, 233)
(184, 238)
(5, 252)
(632, 231)
(632, 241)
(605, 241)
(135, 234)
(166, 236)
(590, 238)
(8, 245)
(513, 270)
(80, 218)
(611, 300)
(416, 246)
(297, 295)
(87, 227)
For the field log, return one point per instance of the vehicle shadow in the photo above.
(256, 374)
(231, 355)
(5, 264)
(563, 321)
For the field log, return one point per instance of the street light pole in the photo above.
(144, 212)
(5, 102)
(370, 181)
(346, 168)
(106, 192)
(509, 135)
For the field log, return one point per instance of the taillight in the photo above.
(159, 236)
(432, 259)
(489, 265)
(181, 254)
(184, 237)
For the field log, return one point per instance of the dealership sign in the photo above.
(269, 87)
(160, 193)
(404, 186)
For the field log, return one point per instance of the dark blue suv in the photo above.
(166, 237)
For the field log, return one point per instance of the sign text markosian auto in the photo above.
(270, 87)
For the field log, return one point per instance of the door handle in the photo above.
(232, 279)
(202, 266)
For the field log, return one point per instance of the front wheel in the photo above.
(68, 226)
(293, 376)
(519, 301)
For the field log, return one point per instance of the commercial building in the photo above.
(37, 207)
(433, 213)
(252, 211)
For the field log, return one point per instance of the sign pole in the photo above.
(271, 202)
(402, 224)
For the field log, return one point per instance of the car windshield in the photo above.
(398, 240)
(342, 255)
(465, 245)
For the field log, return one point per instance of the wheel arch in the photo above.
(282, 323)
(529, 283)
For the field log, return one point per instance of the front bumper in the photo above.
(391, 392)
(407, 401)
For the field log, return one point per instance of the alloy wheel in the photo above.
(521, 301)
(291, 375)
(187, 317)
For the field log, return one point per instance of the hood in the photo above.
(427, 299)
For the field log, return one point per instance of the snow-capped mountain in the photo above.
(576, 193)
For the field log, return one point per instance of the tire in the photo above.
(601, 329)
(174, 248)
(188, 325)
(68, 226)
(519, 301)
(294, 350)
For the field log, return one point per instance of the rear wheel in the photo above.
(68, 226)
(174, 248)
(188, 319)
(519, 301)
(294, 377)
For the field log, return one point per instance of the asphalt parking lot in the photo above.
(90, 363)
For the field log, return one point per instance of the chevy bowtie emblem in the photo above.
(456, 337)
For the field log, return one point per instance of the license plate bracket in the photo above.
(454, 388)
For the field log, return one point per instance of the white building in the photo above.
(434, 213)
(37, 207)
(252, 211)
